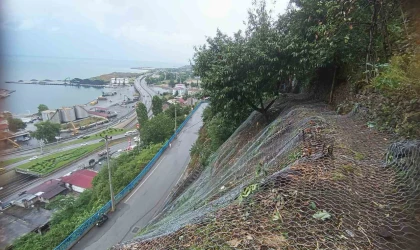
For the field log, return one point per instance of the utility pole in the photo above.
(109, 174)
(40, 144)
(175, 119)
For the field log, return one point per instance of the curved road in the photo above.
(148, 199)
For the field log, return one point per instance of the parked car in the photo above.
(132, 132)
(33, 158)
(101, 220)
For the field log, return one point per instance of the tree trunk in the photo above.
(369, 55)
(332, 85)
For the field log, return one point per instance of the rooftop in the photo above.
(18, 221)
(48, 189)
(81, 178)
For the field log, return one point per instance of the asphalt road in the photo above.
(146, 94)
(56, 150)
(147, 200)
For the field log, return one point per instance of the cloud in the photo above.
(165, 28)
(27, 24)
(54, 29)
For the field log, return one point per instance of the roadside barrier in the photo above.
(89, 223)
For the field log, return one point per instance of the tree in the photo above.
(141, 111)
(42, 107)
(46, 131)
(242, 72)
(171, 83)
(157, 105)
(15, 124)
(157, 130)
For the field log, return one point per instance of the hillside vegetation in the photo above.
(299, 145)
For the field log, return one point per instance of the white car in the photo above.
(33, 158)
(119, 150)
(83, 144)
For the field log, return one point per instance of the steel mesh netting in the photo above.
(309, 180)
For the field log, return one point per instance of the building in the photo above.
(26, 200)
(119, 81)
(179, 90)
(18, 221)
(191, 101)
(4, 125)
(51, 115)
(79, 180)
(48, 190)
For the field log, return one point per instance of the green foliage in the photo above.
(60, 202)
(401, 72)
(124, 169)
(142, 116)
(201, 150)
(15, 124)
(42, 107)
(52, 162)
(157, 130)
(46, 131)
(157, 105)
(171, 83)
(72, 212)
(181, 113)
(247, 191)
(300, 49)
(208, 114)
(219, 130)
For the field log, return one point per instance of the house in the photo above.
(48, 190)
(191, 101)
(179, 89)
(79, 180)
(26, 201)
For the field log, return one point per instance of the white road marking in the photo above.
(145, 179)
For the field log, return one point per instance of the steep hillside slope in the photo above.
(311, 179)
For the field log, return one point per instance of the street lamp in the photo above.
(109, 173)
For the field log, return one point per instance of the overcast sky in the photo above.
(141, 30)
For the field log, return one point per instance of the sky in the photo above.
(141, 30)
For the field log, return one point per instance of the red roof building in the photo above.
(79, 180)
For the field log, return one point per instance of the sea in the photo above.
(26, 98)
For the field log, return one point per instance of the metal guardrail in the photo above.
(89, 223)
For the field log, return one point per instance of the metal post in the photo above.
(40, 144)
(175, 119)
(109, 174)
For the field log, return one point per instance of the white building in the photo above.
(79, 180)
(181, 89)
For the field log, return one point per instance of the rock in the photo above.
(384, 232)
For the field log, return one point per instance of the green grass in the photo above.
(12, 161)
(110, 131)
(52, 162)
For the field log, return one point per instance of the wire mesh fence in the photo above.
(309, 180)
